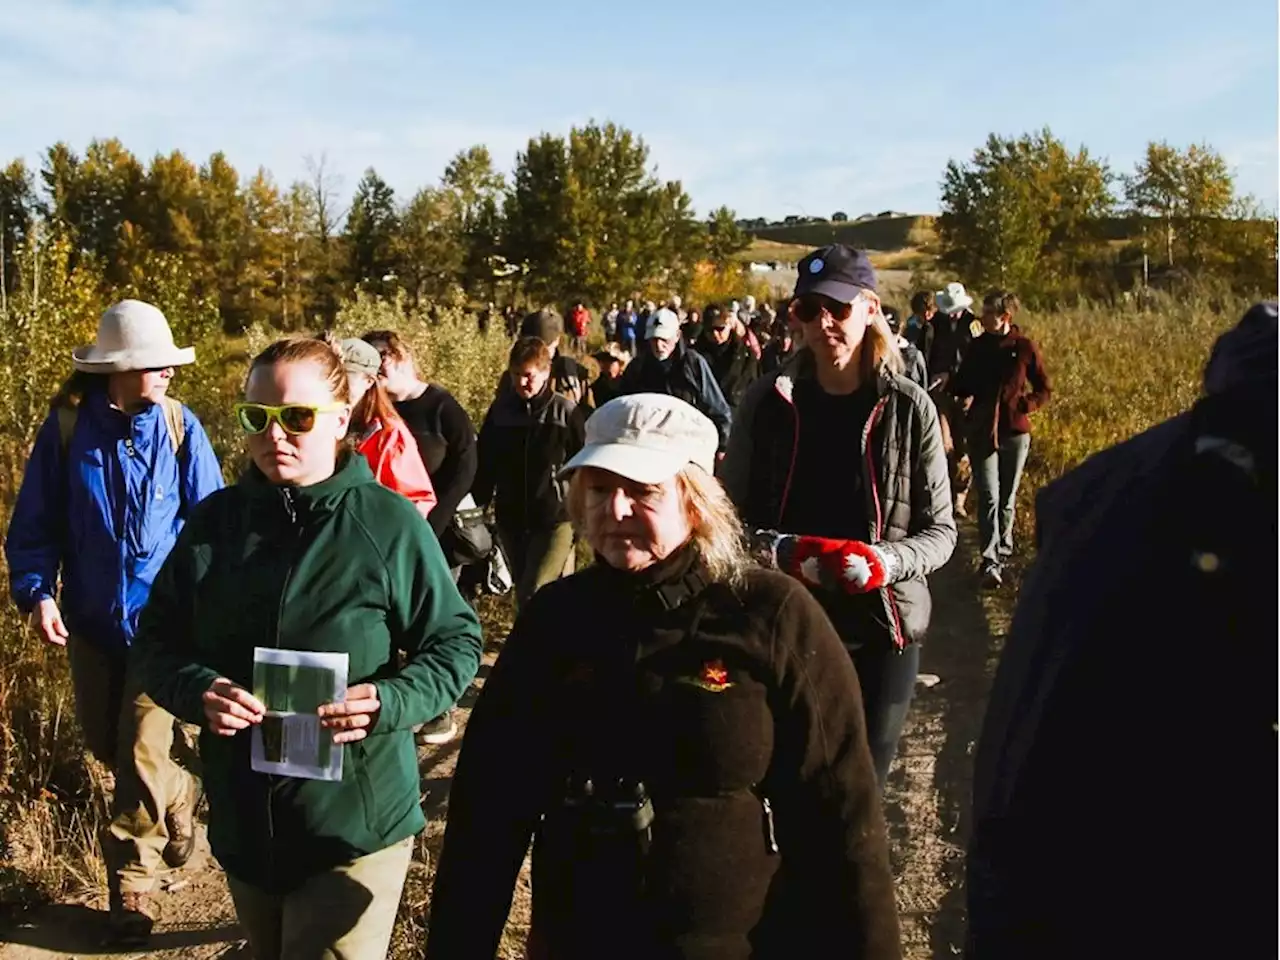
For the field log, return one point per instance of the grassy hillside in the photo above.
(889, 233)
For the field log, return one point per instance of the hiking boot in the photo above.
(440, 730)
(131, 917)
(179, 821)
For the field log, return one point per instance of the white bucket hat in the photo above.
(132, 335)
(648, 438)
(953, 298)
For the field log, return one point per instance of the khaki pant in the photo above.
(347, 913)
(125, 730)
(537, 557)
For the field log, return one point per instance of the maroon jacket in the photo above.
(1006, 377)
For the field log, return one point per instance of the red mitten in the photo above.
(848, 566)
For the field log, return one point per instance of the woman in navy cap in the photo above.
(836, 461)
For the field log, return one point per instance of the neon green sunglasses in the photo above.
(294, 418)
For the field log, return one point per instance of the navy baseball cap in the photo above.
(838, 272)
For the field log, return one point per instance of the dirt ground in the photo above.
(927, 807)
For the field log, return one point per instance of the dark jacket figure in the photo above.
(685, 375)
(607, 385)
(732, 363)
(1005, 375)
(945, 342)
(780, 348)
(1099, 798)
(522, 445)
(902, 483)
(738, 711)
(447, 442)
(344, 565)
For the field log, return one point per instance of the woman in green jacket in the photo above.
(308, 553)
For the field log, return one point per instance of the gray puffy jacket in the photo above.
(908, 491)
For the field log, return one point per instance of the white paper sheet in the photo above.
(292, 685)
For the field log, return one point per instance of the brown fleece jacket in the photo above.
(740, 712)
(1005, 375)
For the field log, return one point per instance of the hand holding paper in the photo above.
(230, 708)
(352, 719)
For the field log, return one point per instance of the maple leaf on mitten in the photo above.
(846, 566)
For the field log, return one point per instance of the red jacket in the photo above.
(393, 456)
(579, 321)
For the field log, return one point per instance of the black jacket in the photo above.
(523, 444)
(1139, 669)
(685, 375)
(732, 363)
(740, 713)
(945, 342)
(774, 356)
(447, 442)
(904, 480)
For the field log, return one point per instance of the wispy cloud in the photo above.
(765, 130)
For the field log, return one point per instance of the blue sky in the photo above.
(772, 108)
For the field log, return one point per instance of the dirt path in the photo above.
(927, 806)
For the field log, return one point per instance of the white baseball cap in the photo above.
(663, 325)
(648, 438)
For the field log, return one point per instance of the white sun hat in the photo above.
(648, 438)
(132, 335)
(953, 298)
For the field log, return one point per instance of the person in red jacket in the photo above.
(1001, 380)
(579, 324)
(379, 432)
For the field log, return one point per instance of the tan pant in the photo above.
(347, 913)
(134, 738)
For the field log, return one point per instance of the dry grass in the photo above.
(767, 251)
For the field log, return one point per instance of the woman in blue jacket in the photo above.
(115, 470)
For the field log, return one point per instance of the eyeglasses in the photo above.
(812, 306)
(294, 418)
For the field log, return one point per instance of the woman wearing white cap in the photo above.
(116, 468)
(696, 777)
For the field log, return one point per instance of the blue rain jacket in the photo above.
(106, 515)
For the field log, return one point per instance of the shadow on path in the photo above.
(928, 796)
(75, 930)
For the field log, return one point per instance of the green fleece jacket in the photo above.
(342, 566)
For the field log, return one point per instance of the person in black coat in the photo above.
(528, 435)
(727, 354)
(696, 777)
(1124, 783)
(667, 366)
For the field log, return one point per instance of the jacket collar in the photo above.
(802, 366)
(352, 471)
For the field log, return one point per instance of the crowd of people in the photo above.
(694, 731)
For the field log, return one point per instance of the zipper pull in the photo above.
(771, 837)
(290, 508)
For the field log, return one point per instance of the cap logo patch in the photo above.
(817, 265)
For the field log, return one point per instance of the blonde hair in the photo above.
(322, 350)
(879, 343)
(717, 532)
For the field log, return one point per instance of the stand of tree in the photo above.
(585, 217)
(1029, 214)
(582, 218)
